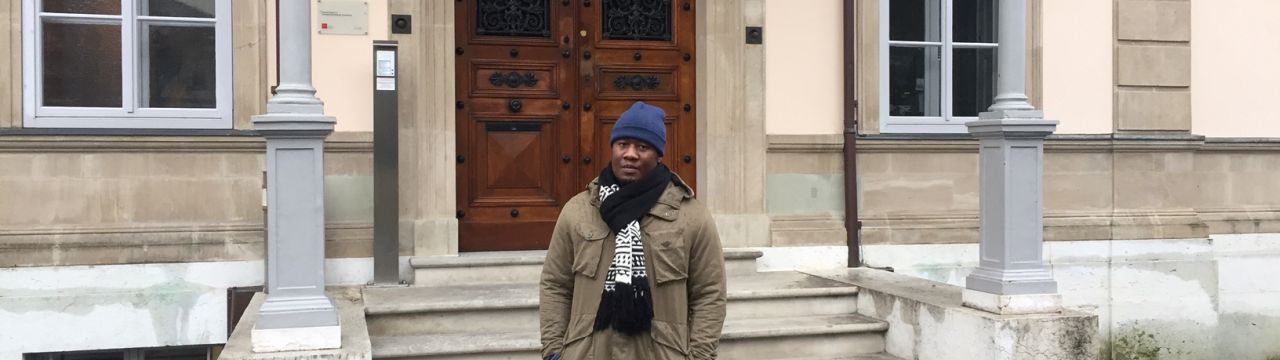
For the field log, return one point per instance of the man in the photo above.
(635, 269)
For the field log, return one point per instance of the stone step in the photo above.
(513, 307)
(813, 337)
(809, 336)
(516, 267)
(877, 356)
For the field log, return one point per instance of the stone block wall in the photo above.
(1153, 66)
(1097, 187)
(130, 200)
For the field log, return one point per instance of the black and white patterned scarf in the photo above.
(627, 304)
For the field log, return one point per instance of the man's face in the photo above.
(633, 159)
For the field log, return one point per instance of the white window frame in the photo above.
(131, 115)
(946, 123)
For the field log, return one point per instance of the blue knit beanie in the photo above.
(642, 122)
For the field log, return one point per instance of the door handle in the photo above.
(687, 159)
(586, 160)
(566, 159)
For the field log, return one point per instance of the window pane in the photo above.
(974, 81)
(637, 20)
(179, 8)
(101, 7)
(915, 20)
(915, 86)
(180, 67)
(94, 355)
(974, 21)
(513, 18)
(81, 65)
(178, 353)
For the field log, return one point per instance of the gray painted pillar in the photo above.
(1011, 71)
(295, 128)
(1011, 159)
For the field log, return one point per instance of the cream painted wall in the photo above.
(1233, 68)
(1077, 65)
(341, 68)
(803, 56)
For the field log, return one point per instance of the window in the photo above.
(937, 64)
(199, 352)
(127, 64)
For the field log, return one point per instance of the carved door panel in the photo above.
(540, 84)
(639, 50)
(516, 139)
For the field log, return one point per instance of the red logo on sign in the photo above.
(324, 25)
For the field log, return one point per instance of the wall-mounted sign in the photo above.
(343, 17)
(385, 84)
(386, 60)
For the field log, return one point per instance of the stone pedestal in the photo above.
(1011, 276)
(1012, 304)
(297, 315)
(297, 339)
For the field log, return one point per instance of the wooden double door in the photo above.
(540, 84)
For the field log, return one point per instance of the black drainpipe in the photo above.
(852, 226)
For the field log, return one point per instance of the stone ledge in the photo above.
(498, 344)
(355, 333)
(297, 339)
(161, 243)
(962, 226)
(1012, 304)
(1061, 143)
(35, 141)
(927, 320)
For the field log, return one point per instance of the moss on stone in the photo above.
(1133, 344)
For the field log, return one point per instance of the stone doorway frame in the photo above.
(730, 114)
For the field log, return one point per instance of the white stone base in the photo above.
(1012, 304)
(297, 339)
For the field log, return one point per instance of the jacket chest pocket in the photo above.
(670, 257)
(587, 251)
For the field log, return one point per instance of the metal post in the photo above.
(297, 315)
(852, 226)
(1011, 277)
(386, 176)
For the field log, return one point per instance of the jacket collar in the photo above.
(668, 206)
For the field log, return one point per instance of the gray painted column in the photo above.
(1011, 81)
(295, 128)
(1011, 159)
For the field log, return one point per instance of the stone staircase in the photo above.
(485, 306)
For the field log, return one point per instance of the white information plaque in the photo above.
(343, 17)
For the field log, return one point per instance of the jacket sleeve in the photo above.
(706, 291)
(555, 295)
